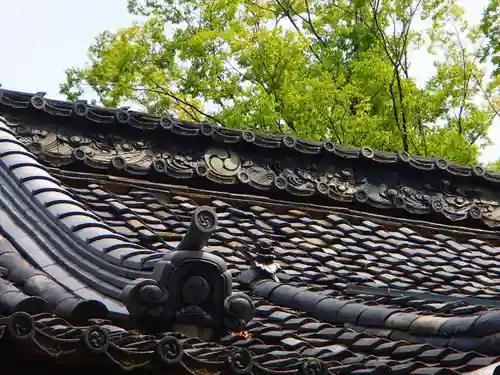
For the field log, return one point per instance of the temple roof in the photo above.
(150, 242)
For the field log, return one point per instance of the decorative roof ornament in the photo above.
(263, 261)
(266, 259)
(190, 289)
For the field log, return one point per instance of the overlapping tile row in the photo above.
(103, 342)
(277, 342)
(16, 101)
(351, 350)
(475, 332)
(40, 292)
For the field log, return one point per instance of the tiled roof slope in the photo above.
(362, 295)
(79, 136)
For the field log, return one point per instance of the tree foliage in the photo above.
(490, 26)
(318, 69)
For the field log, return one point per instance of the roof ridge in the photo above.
(311, 178)
(123, 116)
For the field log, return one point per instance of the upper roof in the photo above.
(167, 124)
(96, 245)
(78, 135)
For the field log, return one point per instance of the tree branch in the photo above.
(476, 79)
(296, 27)
(309, 21)
(255, 4)
(183, 102)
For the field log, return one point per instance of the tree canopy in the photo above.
(317, 69)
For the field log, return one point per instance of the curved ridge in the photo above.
(11, 298)
(143, 121)
(39, 249)
(67, 234)
(479, 332)
(51, 294)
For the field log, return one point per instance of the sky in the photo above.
(41, 39)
